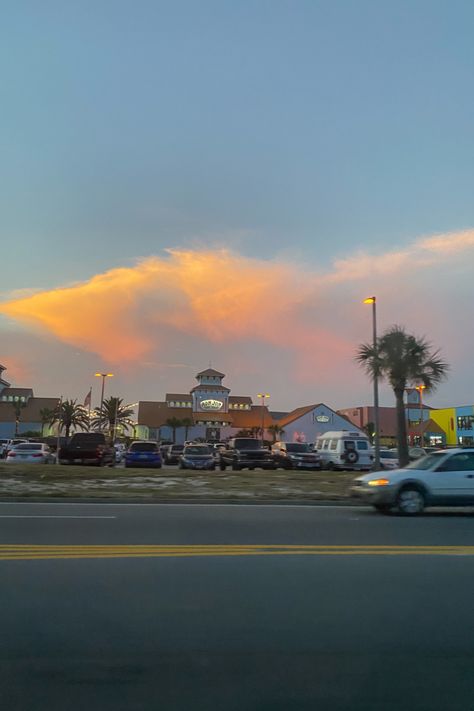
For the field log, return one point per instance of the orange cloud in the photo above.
(125, 314)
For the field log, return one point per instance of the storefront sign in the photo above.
(322, 418)
(211, 405)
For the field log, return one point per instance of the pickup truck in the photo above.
(87, 448)
(245, 453)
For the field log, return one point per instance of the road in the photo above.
(200, 607)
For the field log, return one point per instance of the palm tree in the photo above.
(69, 415)
(186, 423)
(276, 431)
(46, 415)
(18, 406)
(403, 360)
(174, 424)
(113, 414)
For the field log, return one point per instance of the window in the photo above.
(362, 445)
(465, 422)
(463, 462)
(326, 444)
(466, 441)
(333, 445)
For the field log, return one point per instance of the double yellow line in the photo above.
(42, 552)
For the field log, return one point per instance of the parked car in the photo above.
(88, 448)
(7, 444)
(345, 449)
(120, 450)
(143, 454)
(197, 456)
(173, 453)
(444, 478)
(295, 455)
(30, 453)
(389, 459)
(245, 453)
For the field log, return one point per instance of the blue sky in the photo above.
(303, 130)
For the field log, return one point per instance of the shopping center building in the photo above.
(209, 412)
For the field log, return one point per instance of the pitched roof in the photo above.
(210, 386)
(236, 398)
(428, 426)
(244, 419)
(155, 414)
(210, 372)
(17, 392)
(296, 414)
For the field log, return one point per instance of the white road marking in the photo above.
(52, 516)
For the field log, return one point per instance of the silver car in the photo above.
(30, 453)
(444, 478)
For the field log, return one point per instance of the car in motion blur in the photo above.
(30, 453)
(444, 478)
(295, 455)
(143, 454)
(197, 456)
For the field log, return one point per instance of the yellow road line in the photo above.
(45, 552)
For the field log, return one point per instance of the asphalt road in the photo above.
(134, 607)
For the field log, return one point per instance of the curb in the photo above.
(187, 502)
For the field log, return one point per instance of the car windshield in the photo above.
(248, 444)
(27, 447)
(429, 461)
(197, 450)
(388, 455)
(297, 447)
(143, 447)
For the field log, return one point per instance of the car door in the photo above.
(453, 479)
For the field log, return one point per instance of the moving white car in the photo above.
(345, 449)
(444, 478)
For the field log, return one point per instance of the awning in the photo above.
(219, 417)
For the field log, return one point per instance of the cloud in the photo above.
(186, 305)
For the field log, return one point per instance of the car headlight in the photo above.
(378, 482)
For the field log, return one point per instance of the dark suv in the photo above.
(295, 455)
(245, 453)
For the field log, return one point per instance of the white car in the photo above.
(30, 453)
(389, 459)
(444, 478)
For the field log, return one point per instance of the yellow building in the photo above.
(446, 419)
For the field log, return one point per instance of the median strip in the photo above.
(51, 552)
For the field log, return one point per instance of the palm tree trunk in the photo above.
(401, 429)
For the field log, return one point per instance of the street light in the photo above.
(103, 376)
(373, 300)
(420, 389)
(263, 396)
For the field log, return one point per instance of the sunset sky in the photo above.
(186, 182)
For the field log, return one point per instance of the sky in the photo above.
(224, 182)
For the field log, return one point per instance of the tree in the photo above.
(403, 360)
(186, 423)
(69, 415)
(369, 430)
(113, 414)
(277, 431)
(46, 415)
(18, 406)
(174, 424)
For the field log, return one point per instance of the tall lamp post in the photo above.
(263, 397)
(420, 389)
(103, 376)
(373, 300)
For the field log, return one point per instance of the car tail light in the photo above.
(11, 454)
(36, 455)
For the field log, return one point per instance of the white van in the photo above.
(345, 450)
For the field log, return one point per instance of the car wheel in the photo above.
(410, 501)
(222, 466)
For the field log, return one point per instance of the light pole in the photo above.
(373, 300)
(420, 389)
(263, 396)
(103, 376)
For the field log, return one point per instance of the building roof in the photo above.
(17, 392)
(213, 417)
(177, 396)
(245, 419)
(210, 386)
(296, 414)
(236, 398)
(428, 426)
(210, 372)
(155, 414)
(277, 416)
(31, 411)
